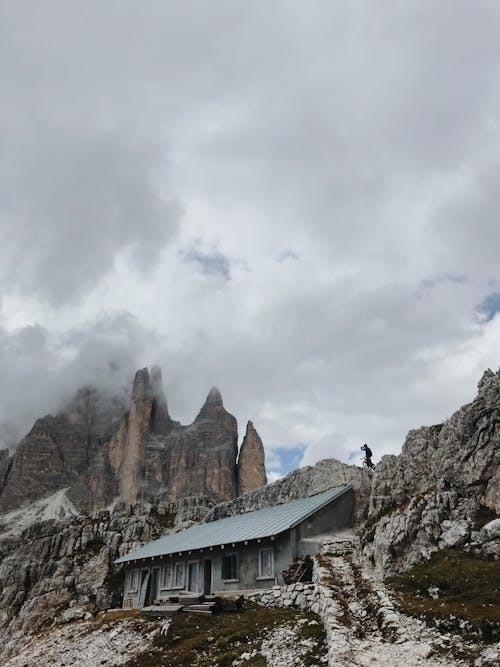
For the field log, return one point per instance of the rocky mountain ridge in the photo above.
(103, 452)
(441, 491)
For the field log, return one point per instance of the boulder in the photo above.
(455, 533)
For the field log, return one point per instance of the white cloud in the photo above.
(297, 205)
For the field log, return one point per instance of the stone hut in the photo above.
(238, 553)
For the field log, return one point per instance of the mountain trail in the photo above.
(363, 624)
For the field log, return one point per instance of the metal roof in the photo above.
(249, 526)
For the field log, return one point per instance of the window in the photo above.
(230, 567)
(132, 581)
(192, 576)
(266, 563)
(179, 575)
(166, 577)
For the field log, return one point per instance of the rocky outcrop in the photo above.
(55, 566)
(100, 451)
(251, 462)
(436, 492)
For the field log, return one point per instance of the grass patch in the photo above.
(117, 615)
(106, 620)
(219, 640)
(470, 587)
(314, 631)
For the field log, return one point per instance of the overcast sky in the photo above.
(295, 201)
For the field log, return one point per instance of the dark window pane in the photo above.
(230, 567)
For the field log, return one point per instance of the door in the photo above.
(144, 587)
(193, 577)
(207, 577)
(153, 586)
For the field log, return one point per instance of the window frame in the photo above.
(164, 570)
(133, 581)
(261, 553)
(230, 579)
(197, 563)
(179, 564)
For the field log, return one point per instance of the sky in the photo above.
(297, 202)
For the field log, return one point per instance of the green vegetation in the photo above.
(469, 587)
(220, 639)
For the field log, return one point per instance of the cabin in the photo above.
(239, 553)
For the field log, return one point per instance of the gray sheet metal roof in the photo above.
(250, 526)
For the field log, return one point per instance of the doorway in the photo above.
(144, 587)
(152, 587)
(207, 577)
(193, 577)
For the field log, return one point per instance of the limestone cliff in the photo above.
(58, 450)
(194, 460)
(101, 450)
(251, 465)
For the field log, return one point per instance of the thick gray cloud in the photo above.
(295, 202)
(89, 198)
(42, 370)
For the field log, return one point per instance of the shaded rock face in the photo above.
(199, 459)
(251, 462)
(102, 452)
(58, 450)
(431, 495)
(4, 466)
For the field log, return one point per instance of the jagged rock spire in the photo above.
(157, 385)
(214, 397)
(212, 404)
(148, 387)
(251, 462)
(141, 389)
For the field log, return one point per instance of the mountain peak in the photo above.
(141, 389)
(214, 397)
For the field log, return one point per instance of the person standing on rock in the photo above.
(368, 456)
